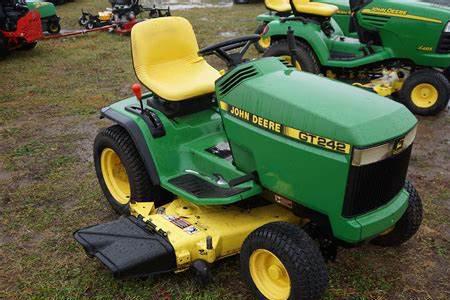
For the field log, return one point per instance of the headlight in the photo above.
(370, 155)
(447, 27)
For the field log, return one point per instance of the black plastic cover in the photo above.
(128, 248)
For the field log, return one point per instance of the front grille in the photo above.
(444, 43)
(374, 185)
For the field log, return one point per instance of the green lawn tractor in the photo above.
(255, 160)
(402, 50)
(49, 18)
(282, 8)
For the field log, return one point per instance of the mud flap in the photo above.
(128, 248)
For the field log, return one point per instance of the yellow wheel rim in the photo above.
(269, 275)
(115, 176)
(264, 42)
(287, 60)
(424, 95)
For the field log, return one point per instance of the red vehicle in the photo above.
(19, 27)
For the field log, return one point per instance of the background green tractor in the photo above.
(47, 10)
(255, 160)
(282, 8)
(402, 49)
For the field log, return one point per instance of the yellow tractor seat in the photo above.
(165, 59)
(314, 8)
(282, 6)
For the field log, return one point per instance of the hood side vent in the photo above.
(377, 21)
(237, 78)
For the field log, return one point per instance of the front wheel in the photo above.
(264, 42)
(426, 92)
(121, 172)
(82, 21)
(307, 59)
(408, 224)
(28, 46)
(280, 261)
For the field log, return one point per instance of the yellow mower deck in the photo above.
(189, 226)
(174, 236)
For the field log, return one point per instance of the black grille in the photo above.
(237, 78)
(374, 185)
(444, 43)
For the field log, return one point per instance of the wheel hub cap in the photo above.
(424, 95)
(115, 176)
(269, 275)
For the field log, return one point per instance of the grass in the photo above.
(49, 99)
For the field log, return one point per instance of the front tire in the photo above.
(408, 224)
(263, 43)
(121, 172)
(308, 61)
(280, 261)
(28, 46)
(426, 92)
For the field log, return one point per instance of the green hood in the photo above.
(45, 9)
(319, 105)
(435, 9)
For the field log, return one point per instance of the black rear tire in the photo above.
(408, 224)
(308, 61)
(437, 81)
(141, 188)
(54, 27)
(296, 251)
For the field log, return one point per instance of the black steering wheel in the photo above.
(222, 49)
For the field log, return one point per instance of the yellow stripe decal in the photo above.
(397, 13)
(292, 133)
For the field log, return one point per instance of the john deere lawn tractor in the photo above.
(402, 49)
(255, 160)
(282, 8)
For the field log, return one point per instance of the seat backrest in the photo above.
(162, 40)
(277, 5)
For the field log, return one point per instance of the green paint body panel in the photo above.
(45, 9)
(183, 148)
(402, 37)
(342, 17)
(311, 176)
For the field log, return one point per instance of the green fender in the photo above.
(311, 33)
(267, 17)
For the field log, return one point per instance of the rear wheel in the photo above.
(54, 27)
(307, 59)
(121, 172)
(280, 261)
(426, 92)
(264, 42)
(407, 226)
